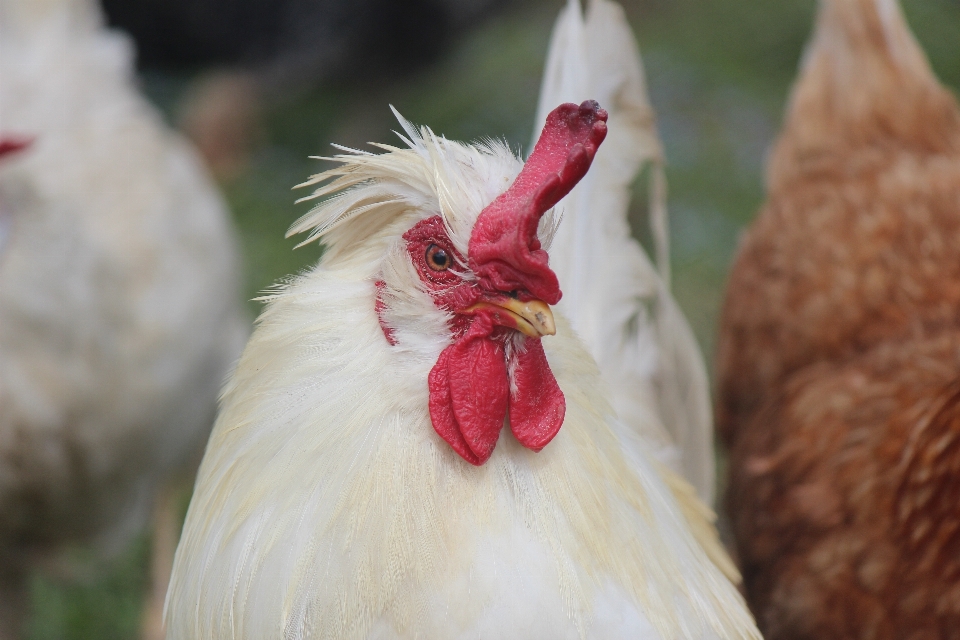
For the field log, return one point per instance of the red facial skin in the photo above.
(470, 384)
(11, 144)
(380, 306)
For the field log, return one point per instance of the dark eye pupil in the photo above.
(437, 258)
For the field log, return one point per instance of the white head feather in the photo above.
(432, 176)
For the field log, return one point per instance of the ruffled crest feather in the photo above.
(432, 175)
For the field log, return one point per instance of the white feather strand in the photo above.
(618, 302)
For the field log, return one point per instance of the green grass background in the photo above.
(718, 74)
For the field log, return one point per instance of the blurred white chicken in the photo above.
(357, 483)
(119, 303)
(616, 300)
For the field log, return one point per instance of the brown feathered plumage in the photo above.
(839, 359)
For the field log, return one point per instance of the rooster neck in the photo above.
(325, 478)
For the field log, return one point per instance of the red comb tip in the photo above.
(504, 249)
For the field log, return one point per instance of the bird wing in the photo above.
(617, 300)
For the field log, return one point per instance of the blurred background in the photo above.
(260, 85)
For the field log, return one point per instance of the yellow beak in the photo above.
(531, 318)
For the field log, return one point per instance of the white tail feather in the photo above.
(617, 301)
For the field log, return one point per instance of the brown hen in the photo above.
(839, 358)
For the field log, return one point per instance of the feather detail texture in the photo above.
(120, 311)
(618, 302)
(839, 351)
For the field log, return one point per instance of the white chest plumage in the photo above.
(327, 506)
(6, 225)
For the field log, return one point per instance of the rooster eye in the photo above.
(437, 258)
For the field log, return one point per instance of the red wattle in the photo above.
(479, 392)
(441, 409)
(537, 409)
(468, 393)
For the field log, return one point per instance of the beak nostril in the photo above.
(515, 294)
(532, 318)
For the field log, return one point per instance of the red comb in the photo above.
(504, 248)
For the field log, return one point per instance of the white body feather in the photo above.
(617, 301)
(328, 507)
(119, 307)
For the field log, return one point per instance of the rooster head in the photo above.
(470, 252)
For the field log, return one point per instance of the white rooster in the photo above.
(357, 484)
(616, 300)
(119, 302)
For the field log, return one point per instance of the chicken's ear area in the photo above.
(504, 249)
